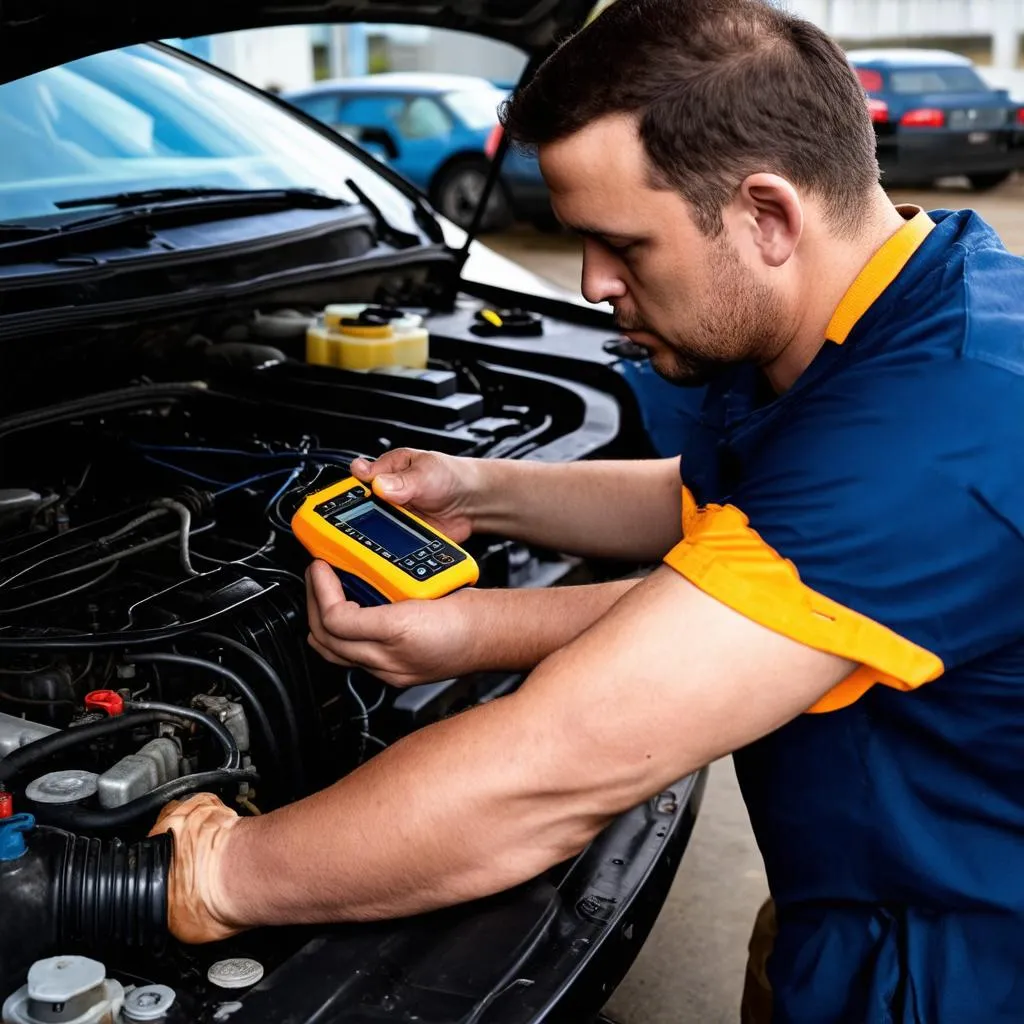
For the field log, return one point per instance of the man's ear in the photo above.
(770, 209)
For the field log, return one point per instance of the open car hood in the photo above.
(38, 34)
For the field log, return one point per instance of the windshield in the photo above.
(475, 108)
(143, 118)
(931, 80)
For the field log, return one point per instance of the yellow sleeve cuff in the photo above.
(722, 555)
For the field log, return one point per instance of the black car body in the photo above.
(157, 420)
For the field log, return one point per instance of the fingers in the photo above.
(326, 653)
(339, 617)
(395, 461)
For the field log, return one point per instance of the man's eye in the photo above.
(622, 249)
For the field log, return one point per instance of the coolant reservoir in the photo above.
(65, 990)
(413, 341)
(387, 338)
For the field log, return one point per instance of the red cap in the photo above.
(6, 804)
(105, 700)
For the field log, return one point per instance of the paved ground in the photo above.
(691, 969)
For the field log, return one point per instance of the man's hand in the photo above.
(421, 641)
(629, 509)
(200, 826)
(402, 644)
(438, 488)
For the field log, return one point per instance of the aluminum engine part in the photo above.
(138, 774)
(16, 732)
(231, 713)
(65, 787)
(65, 990)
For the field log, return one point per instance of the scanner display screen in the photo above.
(383, 529)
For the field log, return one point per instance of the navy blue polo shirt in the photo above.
(876, 511)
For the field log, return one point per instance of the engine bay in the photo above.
(153, 606)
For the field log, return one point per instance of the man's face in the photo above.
(695, 303)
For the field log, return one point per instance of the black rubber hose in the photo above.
(277, 683)
(72, 891)
(232, 755)
(141, 714)
(77, 818)
(105, 402)
(247, 693)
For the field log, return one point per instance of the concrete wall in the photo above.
(860, 22)
(268, 57)
(461, 54)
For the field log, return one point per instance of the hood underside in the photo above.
(38, 34)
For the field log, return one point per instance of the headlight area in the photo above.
(152, 609)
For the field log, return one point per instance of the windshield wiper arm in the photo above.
(135, 216)
(186, 195)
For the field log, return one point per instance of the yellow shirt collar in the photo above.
(880, 272)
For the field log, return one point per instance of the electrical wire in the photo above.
(34, 702)
(138, 638)
(364, 717)
(251, 480)
(63, 536)
(267, 546)
(115, 556)
(184, 472)
(510, 446)
(283, 696)
(146, 517)
(185, 515)
(66, 593)
(85, 671)
(322, 454)
(98, 542)
(245, 691)
(142, 396)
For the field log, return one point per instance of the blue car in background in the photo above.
(439, 132)
(936, 117)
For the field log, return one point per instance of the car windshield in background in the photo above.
(933, 80)
(143, 118)
(475, 108)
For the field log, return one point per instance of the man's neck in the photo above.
(838, 264)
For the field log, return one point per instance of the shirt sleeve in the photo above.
(883, 524)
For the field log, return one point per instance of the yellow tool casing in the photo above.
(387, 547)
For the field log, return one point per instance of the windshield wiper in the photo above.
(135, 212)
(307, 197)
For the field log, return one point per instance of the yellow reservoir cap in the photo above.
(338, 311)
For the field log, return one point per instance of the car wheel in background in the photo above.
(984, 182)
(456, 194)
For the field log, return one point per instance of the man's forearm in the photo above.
(517, 629)
(480, 810)
(621, 509)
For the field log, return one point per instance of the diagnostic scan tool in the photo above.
(382, 552)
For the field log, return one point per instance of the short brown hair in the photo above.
(721, 89)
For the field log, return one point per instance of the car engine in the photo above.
(153, 607)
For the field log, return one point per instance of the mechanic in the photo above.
(840, 599)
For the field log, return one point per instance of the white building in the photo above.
(988, 31)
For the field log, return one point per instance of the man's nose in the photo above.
(602, 279)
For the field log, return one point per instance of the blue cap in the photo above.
(12, 835)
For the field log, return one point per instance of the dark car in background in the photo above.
(169, 240)
(936, 117)
(439, 131)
